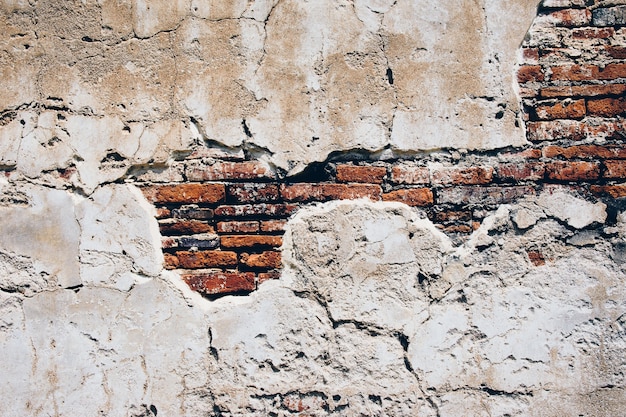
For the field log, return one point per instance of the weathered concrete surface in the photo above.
(380, 316)
(97, 86)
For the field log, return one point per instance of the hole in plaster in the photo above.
(390, 76)
(87, 39)
(246, 129)
(126, 129)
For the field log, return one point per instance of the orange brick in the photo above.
(529, 73)
(615, 191)
(219, 283)
(267, 259)
(562, 110)
(250, 241)
(411, 196)
(171, 261)
(570, 17)
(325, 192)
(573, 171)
(185, 193)
(363, 174)
(589, 72)
(615, 169)
(184, 227)
(585, 151)
(266, 276)
(206, 259)
(410, 175)
(607, 107)
(462, 176)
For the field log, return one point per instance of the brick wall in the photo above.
(222, 216)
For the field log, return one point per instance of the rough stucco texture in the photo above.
(376, 312)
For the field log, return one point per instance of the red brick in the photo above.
(250, 241)
(617, 52)
(589, 72)
(583, 91)
(536, 258)
(462, 176)
(573, 171)
(206, 259)
(266, 276)
(171, 261)
(562, 110)
(267, 259)
(530, 73)
(363, 174)
(162, 213)
(615, 169)
(521, 171)
(555, 130)
(216, 283)
(273, 225)
(530, 55)
(249, 170)
(593, 33)
(525, 154)
(483, 195)
(411, 196)
(325, 192)
(405, 174)
(452, 216)
(457, 228)
(615, 191)
(252, 193)
(185, 193)
(570, 17)
(272, 210)
(607, 107)
(184, 227)
(238, 227)
(585, 151)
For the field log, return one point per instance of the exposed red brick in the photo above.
(324, 192)
(221, 282)
(615, 169)
(184, 227)
(573, 171)
(185, 193)
(252, 193)
(570, 17)
(162, 213)
(615, 191)
(457, 228)
(589, 72)
(411, 196)
(593, 33)
(618, 52)
(238, 227)
(171, 261)
(364, 174)
(525, 154)
(267, 259)
(566, 109)
(530, 55)
(272, 210)
(555, 130)
(250, 241)
(585, 151)
(405, 174)
(462, 176)
(607, 107)
(206, 259)
(490, 195)
(452, 216)
(226, 171)
(529, 73)
(521, 171)
(583, 90)
(536, 258)
(273, 225)
(266, 276)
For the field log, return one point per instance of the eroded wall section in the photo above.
(368, 207)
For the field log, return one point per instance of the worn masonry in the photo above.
(280, 207)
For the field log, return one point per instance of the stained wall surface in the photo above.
(283, 207)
